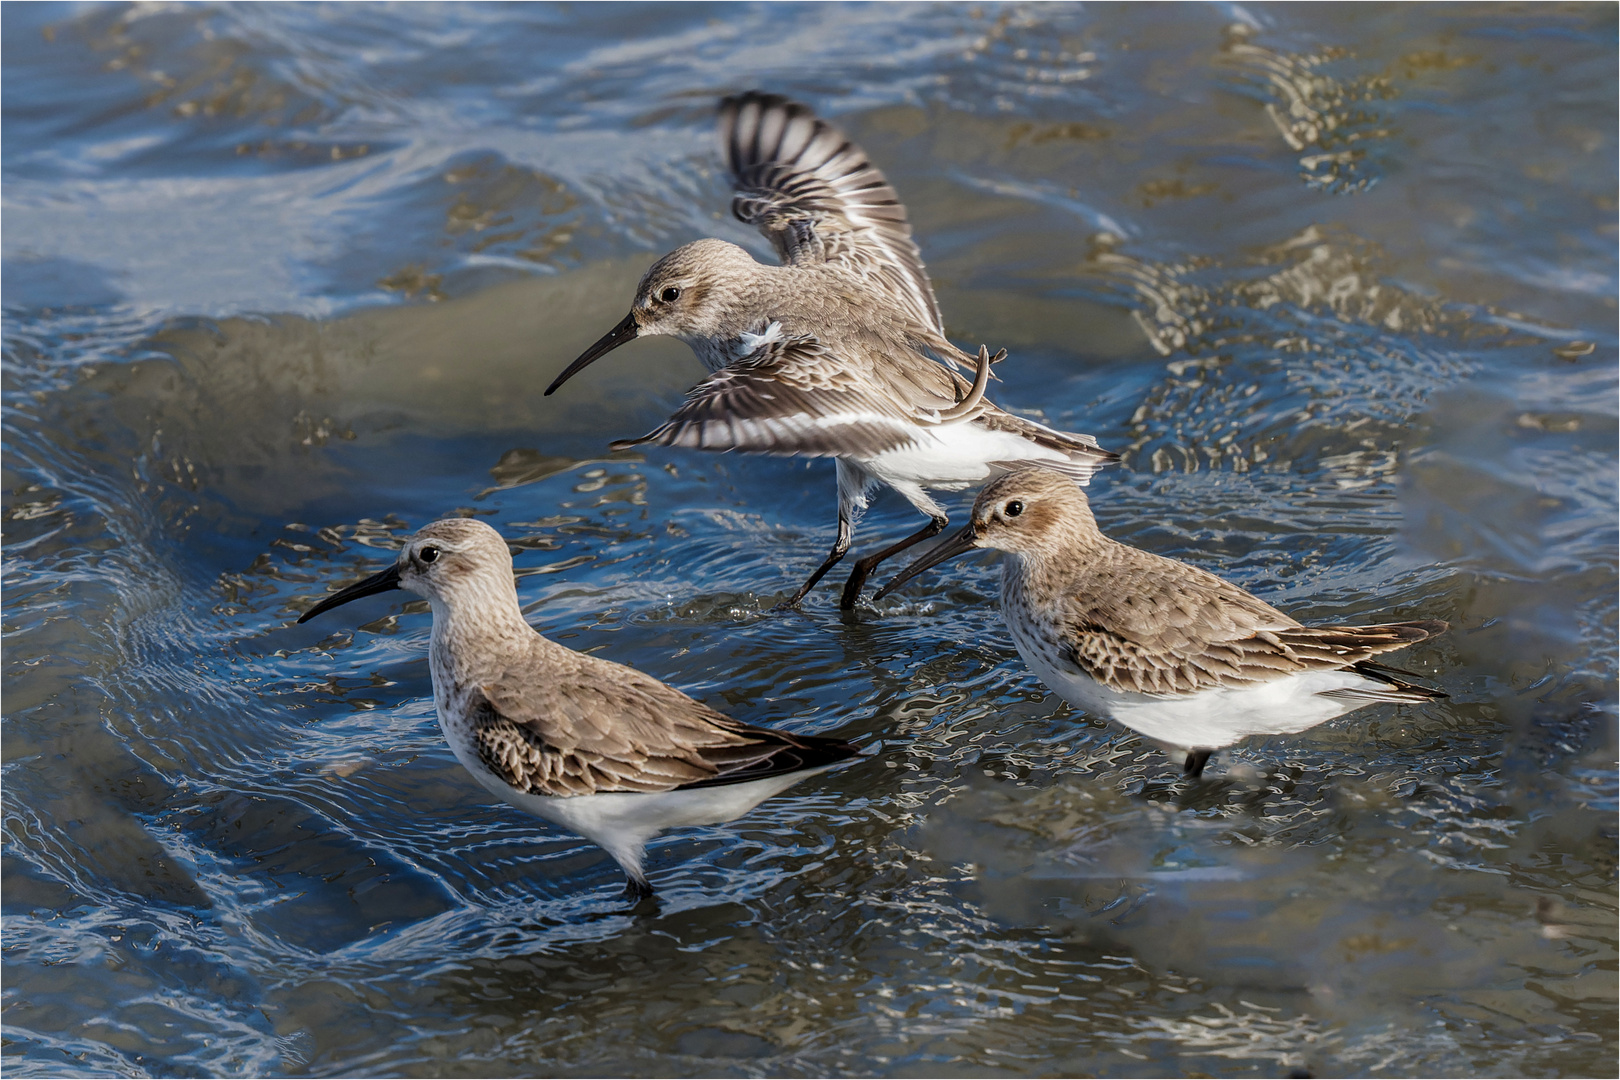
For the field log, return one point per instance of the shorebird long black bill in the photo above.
(384, 582)
(625, 331)
(958, 543)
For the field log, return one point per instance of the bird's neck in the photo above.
(476, 635)
(717, 353)
(1040, 579)
(753, 305)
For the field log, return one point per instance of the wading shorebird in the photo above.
(596, 747)
(840, 351)
(1168, 650)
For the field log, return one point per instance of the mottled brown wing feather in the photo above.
(1170, 632)
(789, 397)
(1126, 665)
(818, 199)
(634, 735)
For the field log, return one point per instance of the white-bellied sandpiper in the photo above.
(1167, 649)
(837, 352)
(596, 747)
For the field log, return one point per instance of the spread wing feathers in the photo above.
(789, 396)
(1084, 456)
(1212, 634)
(818, 199)
(634, 736)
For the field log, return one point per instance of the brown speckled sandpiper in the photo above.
(837, 352)
(596, 747)
(1167, 649)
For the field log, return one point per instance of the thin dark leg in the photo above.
(637, 888)
(864, 567)
(840, 546)
(1193, 767)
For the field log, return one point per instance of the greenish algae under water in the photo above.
(283, 283)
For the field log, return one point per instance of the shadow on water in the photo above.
(284, 283)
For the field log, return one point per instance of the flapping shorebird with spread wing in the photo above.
(1167, 649)
(596, 747)
(840, 351)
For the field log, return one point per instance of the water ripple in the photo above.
(283, 283)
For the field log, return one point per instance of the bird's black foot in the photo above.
(792, 602)
(840, 546)
(864, 567)
(1193, 767)
(852, 590)
(637, 889)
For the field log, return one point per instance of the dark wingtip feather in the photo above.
(795, 753)
(1399, 689)
(733, 102)
(1408, 633)
(804, 184)
(657, 437)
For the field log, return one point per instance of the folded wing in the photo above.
(632, 735)
(1174, 636)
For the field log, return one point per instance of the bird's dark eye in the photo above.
(428, 554)
(1014, 508)
(670, 295)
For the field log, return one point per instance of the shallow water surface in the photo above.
(283, 283)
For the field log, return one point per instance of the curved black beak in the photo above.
(376, 583)
(963, 540)
(625, 331)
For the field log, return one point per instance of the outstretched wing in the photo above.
(1083, 456)
(789, 396)
(818, 199)
(632, 734)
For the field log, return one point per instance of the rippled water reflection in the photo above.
(283, 283)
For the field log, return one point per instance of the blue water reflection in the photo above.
(284, 282)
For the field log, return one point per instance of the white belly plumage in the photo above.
(1208, 720)
(952, 456)
(621, 823)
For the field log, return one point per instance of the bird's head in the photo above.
(1029, 512)
(694, 293)
(456, 562)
